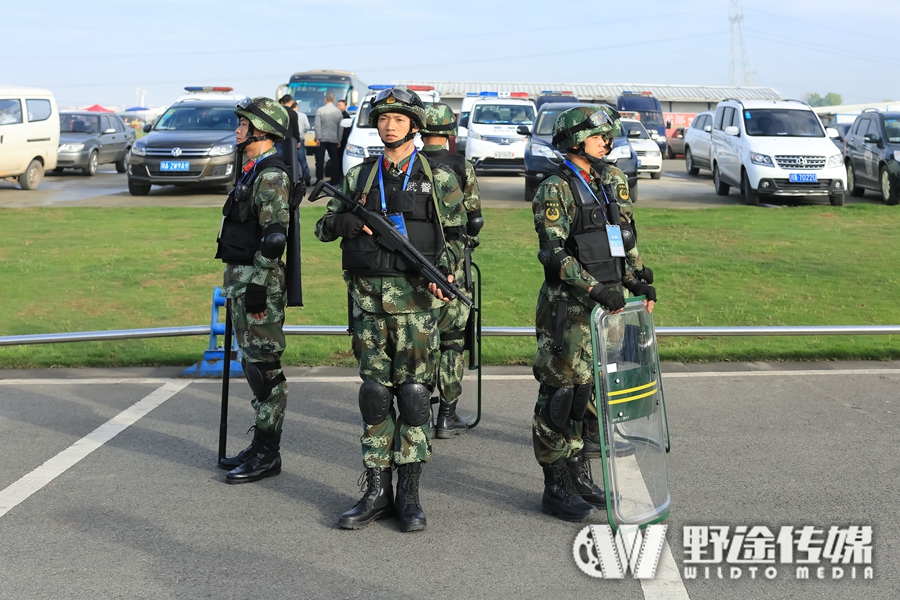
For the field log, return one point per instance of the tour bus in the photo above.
(309, 88)
(364, 141)
(492, 141)
(645, 107)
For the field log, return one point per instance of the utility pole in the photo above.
(738, 48)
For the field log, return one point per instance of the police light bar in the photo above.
(383, 86)
(627, 93)
(556, 93)
(518, 95)
(201, 88)
(420, 88)
(646, 93)
(490, 94)
(471, 94)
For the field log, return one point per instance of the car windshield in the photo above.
(627, 126)
(545, 122)
(79, 123)
(503, 114)
(892, 129)
(310, 95)
(198, 118)
(780, 122)
(651, 118)
(362, 119)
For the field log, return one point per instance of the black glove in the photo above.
(608, 297)
(255, 299)
(347, 225)
(645, 274)
(639, 288)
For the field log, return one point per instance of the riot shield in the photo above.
(628, 390)
(469, 406)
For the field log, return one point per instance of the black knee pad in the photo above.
(374, 402)
(558, 408)
(414, 403)
(260, 384)
(581, 397)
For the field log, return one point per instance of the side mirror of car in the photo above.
(832, 133)
(634, 133)
(345, 123)
(872, 138)
(732, 130)
(708, 129)
(147, 128)
(523, 130)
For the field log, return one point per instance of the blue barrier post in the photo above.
(213, 360)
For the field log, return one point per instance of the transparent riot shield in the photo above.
(628, 390)
(469, 406)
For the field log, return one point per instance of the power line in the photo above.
(822, 48)
(868, 36)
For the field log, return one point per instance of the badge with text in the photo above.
(400, 223)
(616, 245)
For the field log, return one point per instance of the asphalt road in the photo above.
(676, 189)
(147, 515)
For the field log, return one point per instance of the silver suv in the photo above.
(698, 142)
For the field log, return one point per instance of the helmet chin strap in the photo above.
(592, 159)
(251, 139)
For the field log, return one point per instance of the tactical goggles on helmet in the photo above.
(248, 105)
(597, 119)
(398, 94)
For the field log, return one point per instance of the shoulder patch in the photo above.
(552, 211)
(622, 191)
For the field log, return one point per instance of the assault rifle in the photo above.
(387, 234)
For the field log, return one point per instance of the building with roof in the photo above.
(847, 113)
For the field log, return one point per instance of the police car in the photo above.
(493, 142)
(206, 92)
(873, 155)
(364, 140)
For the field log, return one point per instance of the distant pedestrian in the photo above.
(328, 124)
(345, 131)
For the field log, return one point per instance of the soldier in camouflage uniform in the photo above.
(395, 312)
(440, 124)
(573, 210)
(251, 242)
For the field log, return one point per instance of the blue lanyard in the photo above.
(409, 169)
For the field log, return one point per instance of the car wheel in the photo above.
(655, 175)
(530, 187)
(669, 153)
(851, 182)
(751, 197)
(889, 193)
(31, 178)
(689, 163)
(633, 192)
(121, 167)
(93, 162)
(836, 200)
(138, 189)
(721, 188)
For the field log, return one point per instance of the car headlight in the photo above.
(619, 153)
(356, 151)
(71, 147)
(835, 161)
(139, 150)
(653, 153)
(761, 159)
(474, 135)
(221, 150)
(542, 150)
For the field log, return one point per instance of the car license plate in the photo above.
(504, 154)
(803, 178)
(639, 163)
(174, 165)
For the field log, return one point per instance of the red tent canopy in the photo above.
(98, 108)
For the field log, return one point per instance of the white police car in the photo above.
(492, 141)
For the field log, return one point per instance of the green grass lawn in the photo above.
(93, 269)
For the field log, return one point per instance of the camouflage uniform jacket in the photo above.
(271, 192)
(554, 216)
(399, 295)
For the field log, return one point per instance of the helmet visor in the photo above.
(399, 94)
(245, 103)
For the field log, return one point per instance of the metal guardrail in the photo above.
(159, 332)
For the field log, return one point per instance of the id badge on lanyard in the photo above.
(616, 245)
(396, 218)
(400, 223)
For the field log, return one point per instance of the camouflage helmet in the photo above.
(266, 115)
(439, 120)
(575, 125)
(398, 99)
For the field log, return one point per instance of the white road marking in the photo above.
(94, 381)
(20, 490)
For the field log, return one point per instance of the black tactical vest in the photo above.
(364, 256)
(457, 164)
(587, 240)
(241, 233)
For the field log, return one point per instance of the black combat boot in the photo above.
(591, 439)
(230, 462)
(580, 469)
(406, 506)
(448, 422)
(560, 497)
(264, 461)
(376, 503)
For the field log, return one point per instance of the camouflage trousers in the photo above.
(393, 349)
(452, 326)
(572, 366)
(262, 341)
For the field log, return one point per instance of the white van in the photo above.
(769, 148)
(492, 141)
(364, 141)
(29, 134)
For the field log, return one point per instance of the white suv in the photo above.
(775, 148)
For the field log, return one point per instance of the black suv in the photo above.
(872, 155)
(192, 143)
(542, 159)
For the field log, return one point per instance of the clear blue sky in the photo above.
(87, 52)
